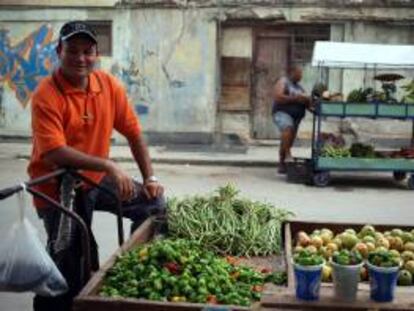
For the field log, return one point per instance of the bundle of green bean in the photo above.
(226, 224)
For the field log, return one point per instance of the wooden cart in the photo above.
(89, 299)
(286, 299)
(278, 298)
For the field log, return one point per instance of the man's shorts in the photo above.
(284, 121)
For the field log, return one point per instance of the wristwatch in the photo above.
(151, 179)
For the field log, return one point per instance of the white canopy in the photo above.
(361, 55)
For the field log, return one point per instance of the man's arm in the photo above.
(141, 155)
(69, 157)
(281, 98)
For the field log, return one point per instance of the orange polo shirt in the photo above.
(82, 119)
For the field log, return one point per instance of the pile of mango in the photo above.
(399, 243)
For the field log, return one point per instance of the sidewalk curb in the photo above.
(246, 163)
(215, 162)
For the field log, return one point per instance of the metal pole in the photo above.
(412, 136)
(86, 244)
(111, 193)
(314, 130)
(318, 139)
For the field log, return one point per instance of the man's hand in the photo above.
(153, 189)
(125, 184)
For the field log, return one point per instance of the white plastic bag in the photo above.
(24, 263)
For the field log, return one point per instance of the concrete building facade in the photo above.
(198, 70)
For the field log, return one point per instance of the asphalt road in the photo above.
(350, 198)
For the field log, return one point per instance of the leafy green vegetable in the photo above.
(277, 278)
(409, 93)
(384, 259)
(335, 152)
(345, 257)
(362, 151)
(307, 258)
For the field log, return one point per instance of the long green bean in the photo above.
(227, 224)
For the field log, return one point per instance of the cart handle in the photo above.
(7, 192)
(86, 249)
(86, 243)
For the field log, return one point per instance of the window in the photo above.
(303, 40)
(103, 31)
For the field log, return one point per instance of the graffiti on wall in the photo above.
(23, 65)
(137, 85)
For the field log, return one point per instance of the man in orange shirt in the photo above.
(74, 112)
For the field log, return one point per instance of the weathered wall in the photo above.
(166, 59)
(61, 3)
(235, 42)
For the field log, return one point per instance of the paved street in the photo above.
(373, 199)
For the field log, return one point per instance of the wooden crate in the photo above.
(88, 299)
(403, 294)
(286, 300)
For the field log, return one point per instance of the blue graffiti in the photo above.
(25, 64)
(136, 85)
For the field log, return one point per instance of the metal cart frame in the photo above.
(321, 166)
(85, 240)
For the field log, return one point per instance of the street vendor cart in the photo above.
(91, 296)
(368, 57)
(275, 298)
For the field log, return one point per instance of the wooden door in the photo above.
(270, 62)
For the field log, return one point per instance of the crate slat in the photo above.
(291, 229)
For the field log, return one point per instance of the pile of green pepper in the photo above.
(307, 258)
(347, 258)
(179, 271)
(384, 259)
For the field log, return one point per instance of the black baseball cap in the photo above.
(74, 28)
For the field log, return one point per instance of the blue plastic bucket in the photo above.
(307, 281)
(383, 282)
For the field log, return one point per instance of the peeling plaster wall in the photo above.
(235, 42)
(173, 56)
(84, 3)
(165, 58)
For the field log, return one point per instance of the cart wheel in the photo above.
(321, 179)
(399, 175)
(410, 182)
